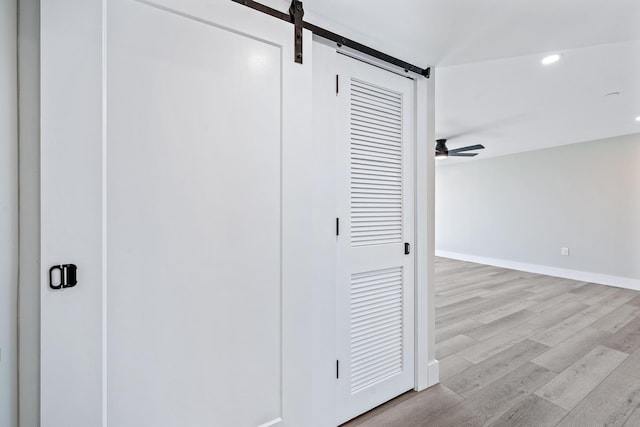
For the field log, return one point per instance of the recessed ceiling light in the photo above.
(638, 119)
(550, 59)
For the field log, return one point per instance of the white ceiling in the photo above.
(516, 104)
(490, 85)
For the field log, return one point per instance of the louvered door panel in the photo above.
(375, 278)
(376, 164)
(376, 327)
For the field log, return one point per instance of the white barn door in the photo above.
(172, 133)
(375, 264)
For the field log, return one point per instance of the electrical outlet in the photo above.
(564, 251)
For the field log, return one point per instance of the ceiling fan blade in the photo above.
(469, 148)
(462, 154)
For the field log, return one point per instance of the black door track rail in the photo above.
(296, 12)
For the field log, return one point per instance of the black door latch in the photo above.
(66, 276)
(407, 249)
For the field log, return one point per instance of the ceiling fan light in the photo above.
(548, 60)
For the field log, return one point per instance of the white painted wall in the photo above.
(8, 212)
(519, 210)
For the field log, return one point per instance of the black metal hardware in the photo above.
(337, 369)
(337, 38)
(343, 41)
(337, 226)
(337, 84)
(67, 274)
(265, 9)
(407, 249)
(297, 12)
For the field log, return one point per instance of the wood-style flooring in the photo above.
(523, 349)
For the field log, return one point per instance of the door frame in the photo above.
(355, 259)
(426, 366)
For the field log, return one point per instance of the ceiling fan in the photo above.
(442, 151)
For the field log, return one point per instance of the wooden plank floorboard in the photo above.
(494, 345)
(451, 365)
(503, 311)
(484, 306)
(534, 411)
(627, 339)
(461, 327)
(563, 355)
(482, 332)
(443, 301)
(371, 418)
(587, 289)
(631, 366)
(453, 345)
(635, 301)
(599, 296)
(612, 322)
(610, 404)
(487, 348)
(458, 306)
(565, 329)
(551, 303)
(525, 349)
(479, 376)
(609, 304)
(574, 383)
(549, 293)
(633, 420)
(413, 411)
(496, 399)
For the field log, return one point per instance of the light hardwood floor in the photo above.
(522, 349)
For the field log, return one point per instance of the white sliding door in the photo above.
(375, 280)
(173, 134)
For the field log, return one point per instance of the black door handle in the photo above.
(67, 275)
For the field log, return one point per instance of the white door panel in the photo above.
(375, 282)
(193, 197)
(184, 208)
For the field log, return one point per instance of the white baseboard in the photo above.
(583, 276)
(433, 368)
(271, 423)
